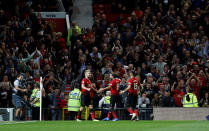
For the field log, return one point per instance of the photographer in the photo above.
(18, 97)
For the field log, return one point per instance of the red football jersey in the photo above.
(115, 84)
(106, 83)
(134, 83)
(92, 92)
(177, 99)
(87, 83)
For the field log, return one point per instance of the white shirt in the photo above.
(38, 94)
(16, 83)
(37, 60)
(99, 55)
(101, 102)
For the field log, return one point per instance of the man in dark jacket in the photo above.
(167, 100)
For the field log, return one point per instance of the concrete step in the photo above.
(83, 17)
(83, 13)
(83, 3)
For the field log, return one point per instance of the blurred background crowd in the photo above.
(164, 41)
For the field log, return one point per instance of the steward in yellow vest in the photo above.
(73, 27)
(105, 101)
(190, 100)
(35, 97)
(74, 101)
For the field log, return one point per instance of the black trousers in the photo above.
(35, 113)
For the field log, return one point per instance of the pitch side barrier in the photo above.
(100, 113)
(7, 114)
(173, 113)
(181, 113)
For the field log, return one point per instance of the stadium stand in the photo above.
(164, 42)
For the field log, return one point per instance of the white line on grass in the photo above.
(14, 122)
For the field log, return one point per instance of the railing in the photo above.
(122, 114)
(7, 114)
(160, 113)
(67, 18)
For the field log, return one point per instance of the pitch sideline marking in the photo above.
(15, 122)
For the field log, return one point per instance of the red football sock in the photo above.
(78, 115)
(92, 115)
(130, 110)
(108, 115)
(114, 114)
(136, 112)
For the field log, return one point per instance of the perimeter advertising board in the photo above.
(56, 20)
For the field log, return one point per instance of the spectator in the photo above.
(156, 100)
(165, 82)
(66, 78)
(106, 69)
(53, 102)
(64, 102)
(96, 58)
(119, 70)
(178, 92)
(6, 93)
(50, 80)
(57, 111)
(138, 12)
(148, 89)
(194, 83)
(204, 102)
(168, 39)
(167, 100)
(143, 102)
(160, 64)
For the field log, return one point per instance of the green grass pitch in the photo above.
(106, 126)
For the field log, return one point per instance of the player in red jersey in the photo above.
(114, 87)
(86, 99)
(133, 88)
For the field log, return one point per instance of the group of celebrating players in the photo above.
(88, 89)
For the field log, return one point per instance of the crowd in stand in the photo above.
(165, 43)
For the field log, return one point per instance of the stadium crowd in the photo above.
(164, 42)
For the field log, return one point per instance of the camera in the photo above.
(25, 82)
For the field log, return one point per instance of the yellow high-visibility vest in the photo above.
(33, 95)
(35, 98)
(192, 102)
(74, 101)
(70, 32)
(106, 103)
(107, 100)
(37, 102)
